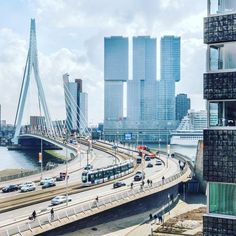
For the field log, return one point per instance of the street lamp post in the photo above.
(168, 154)
(65, 142)
(87, 157)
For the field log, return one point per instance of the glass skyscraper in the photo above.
(115, 74)
(182, 103)
(170, 73)
(76, 105)
(142, 88)
(219, 153)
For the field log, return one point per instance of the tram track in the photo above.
(26, 199)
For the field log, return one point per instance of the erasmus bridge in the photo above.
(100, 199)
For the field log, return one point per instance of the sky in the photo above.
(70, 39)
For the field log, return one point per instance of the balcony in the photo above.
(219, 155)
(218, 86)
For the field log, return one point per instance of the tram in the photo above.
(97, 176)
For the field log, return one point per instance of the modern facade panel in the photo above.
(215, 226)
(219, 154)
(220, 28)
(214, 82)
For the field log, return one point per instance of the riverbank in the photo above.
(56, 155)
(9, 172)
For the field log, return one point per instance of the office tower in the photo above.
(182, 103)
(76, 105)
(37, 121)
(219, 154)
(115, 74)
(141, 102)
(170, 73)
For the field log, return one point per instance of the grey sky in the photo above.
(70, 37)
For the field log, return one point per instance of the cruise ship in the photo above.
(190, 129)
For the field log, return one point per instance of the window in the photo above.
(222, 198)
(222, 57)
(222, 6)
(222, 113)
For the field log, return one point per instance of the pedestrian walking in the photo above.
(34, 215)
(150, 216)
(155, 218)
(52, 214)
(163, 179)
(97, 199)
(148, 182)
(132, 185)
(151, 183)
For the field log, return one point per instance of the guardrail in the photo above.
(90, 205)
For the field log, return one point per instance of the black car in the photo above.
(10, 188)
(48, 185)
(147, 158)
(149, 165)
(118, 184)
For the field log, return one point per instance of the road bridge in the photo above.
(83, 208)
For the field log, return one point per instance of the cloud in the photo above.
(70, 37)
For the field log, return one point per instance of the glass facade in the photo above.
(142, 93)
(170, 73)
(115, 74)
(222, 198)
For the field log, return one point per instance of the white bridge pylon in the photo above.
(31, 64)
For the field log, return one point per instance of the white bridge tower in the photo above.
(31, 64)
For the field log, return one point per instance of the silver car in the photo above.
(28, 187)
(59, 199)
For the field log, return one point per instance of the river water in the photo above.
(29, 159)
(19, 159)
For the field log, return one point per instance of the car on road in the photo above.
(139, 176)
(158, 162)
(88, 167)
(62, 176)
(46, 179)
(60, 199)
(48, 185)
(27, 188)
(10, 188)
(118, 184)
(147, 158)
(21, 185)
(149, 165)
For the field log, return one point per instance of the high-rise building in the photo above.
(36, 121)
(115, 74)
(219, 154)
(76, 105)
(170, 73)
(182, 103)
(142, 89)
